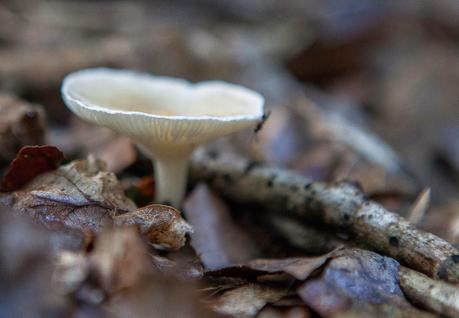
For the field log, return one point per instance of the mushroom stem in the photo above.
(170, 175)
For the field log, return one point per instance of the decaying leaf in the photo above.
(216, 239)
(247, 300)
(78, 195)
(83, 196)
(419, 207)
(159, 296)
(117, 277)
(26, 287)
(354, 277)
(163, 225)
(300, 268)
(30, 162)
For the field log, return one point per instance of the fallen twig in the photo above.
(341, 205)
(442, 298)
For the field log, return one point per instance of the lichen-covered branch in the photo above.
(340, 205)
(441, 298)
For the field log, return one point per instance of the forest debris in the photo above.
(304, 236)
(443, 220)
(353, 278)
(83, 196)
(30, 162)
(247, 300)
(78, 195)
(217, 239)
(26, 288)
(340, 205)
(289, 312)
(419, 207)
(21, 124)
(162, 225)
(159, 296)
(439, 297)
(120, 259)
(299, 267)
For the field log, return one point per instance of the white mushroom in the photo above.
(166, 117)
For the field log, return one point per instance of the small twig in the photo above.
(441, 298)
(341, 205)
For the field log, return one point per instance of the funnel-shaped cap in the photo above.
(162, 114)
(167, 117)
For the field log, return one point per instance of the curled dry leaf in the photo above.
(163, 225)
(29, 163)
(247, 300)
(300, 267)
(119, 260)
(79, 195)
(217, 239)
(21, 124)
(82, 196)
(118, 278)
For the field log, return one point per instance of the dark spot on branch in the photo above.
(251, 165)
(393, 241)
(455, 258)
(212, 154)
(227, 178)
(307, 186)
(270, 182)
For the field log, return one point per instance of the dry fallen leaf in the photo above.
(83, 196)
(247, 300)
(217, 239)
(30, 162)
(26, 287)
(79, 195)
(163, 225)
(353, 277)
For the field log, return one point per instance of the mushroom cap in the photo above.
(161, 112)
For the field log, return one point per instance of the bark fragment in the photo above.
(439, 297)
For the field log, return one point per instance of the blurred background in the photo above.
(359, 90)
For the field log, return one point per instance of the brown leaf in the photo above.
(26, 287)
(79, 195)
(163, 225)
(29, 163)
(299, 268)
(159, 296)
(217, 239)
(120, 259)
(21, 124)
(247, 300)
(355, 276)
(419, 207)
